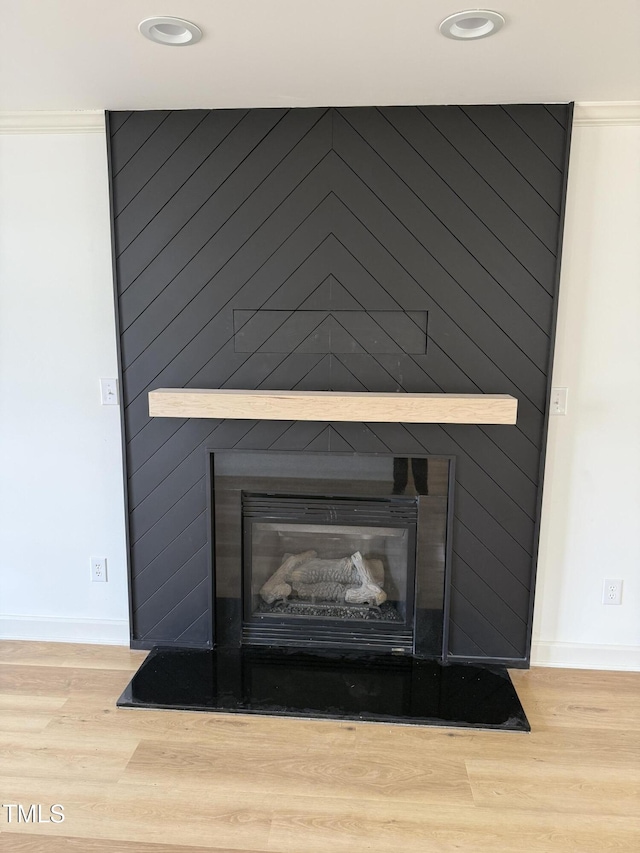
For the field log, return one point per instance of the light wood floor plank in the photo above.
(19, 721)
(576, 679)
(605, 700)
(288, 770)
(72, 756)
(574, 746)
(323, 825)
(75, 655)
(91, 716)
(150, 813)
(62, 681)
(20, 702)
(15, 843)
(550, 785)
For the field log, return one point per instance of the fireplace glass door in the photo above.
(340, 570)
(330, 552)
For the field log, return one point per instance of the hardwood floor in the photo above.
(137, 781)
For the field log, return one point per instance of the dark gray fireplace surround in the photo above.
(390, 249)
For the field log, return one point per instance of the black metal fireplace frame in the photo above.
(227, 613)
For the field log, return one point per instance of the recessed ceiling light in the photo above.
(175, 32)
(473, 24)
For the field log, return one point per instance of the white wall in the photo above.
(591, 508)
(60, 487)
(61, 497)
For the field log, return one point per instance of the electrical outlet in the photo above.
(612, 591)
(109, 392)
(99, 569)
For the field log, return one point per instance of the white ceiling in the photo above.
(88, 54)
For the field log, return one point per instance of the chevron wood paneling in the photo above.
(358, 249)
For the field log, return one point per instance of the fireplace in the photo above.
(282, 260)
(331, 551)
(324, 570)
(330, 593)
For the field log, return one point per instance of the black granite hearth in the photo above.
(345, 686)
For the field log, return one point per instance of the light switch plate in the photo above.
(559, 401)
(109, 392)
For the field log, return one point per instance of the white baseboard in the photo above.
(585, 656)
(110, 632)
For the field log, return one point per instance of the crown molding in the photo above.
(594, 113)
(52, 121)
(607, 112)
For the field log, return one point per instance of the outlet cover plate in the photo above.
(612, 591)
(98, 569)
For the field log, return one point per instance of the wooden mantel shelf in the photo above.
(361, 406)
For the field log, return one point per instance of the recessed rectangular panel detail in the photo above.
(330, 332)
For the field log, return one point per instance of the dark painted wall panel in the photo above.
(392, 249)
